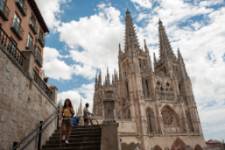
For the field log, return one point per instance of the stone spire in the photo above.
(100, 78)
(155, 61)
(116, 75)
(107, 78)
(145, 47)
(148, 55)
(79, 111)
(165, 47)
(182, 65)
(96, 81)
(131, 42)
(120, 51)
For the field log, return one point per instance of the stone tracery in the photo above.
(169, 117)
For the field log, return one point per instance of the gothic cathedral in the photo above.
(155, 106)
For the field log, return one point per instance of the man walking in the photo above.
(87, 115)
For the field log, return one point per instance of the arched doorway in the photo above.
(178, 145)
(198, 147)
(157, 147)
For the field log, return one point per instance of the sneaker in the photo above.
(63, 138)
(67, 142)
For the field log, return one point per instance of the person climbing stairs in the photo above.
(81, 138)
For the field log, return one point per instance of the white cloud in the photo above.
(143, 3)
(51, 10)
(98, 36)
(214, 127)
(84, 93)
(55, 67)
(210, 2)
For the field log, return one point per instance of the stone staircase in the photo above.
(81, 138)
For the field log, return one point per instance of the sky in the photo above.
(84, 37)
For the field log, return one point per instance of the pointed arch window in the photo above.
(127, 88)
(145, 87)
(150, 120)
(169, 116)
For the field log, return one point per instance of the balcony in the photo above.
(21, 6)
(17, 29)
(4, 10)
(38, 57)
(33, 26)
(7, 45)
(41, 39)
(41, 83)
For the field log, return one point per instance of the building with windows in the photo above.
(22, 21)
(154, 103)
(27, 101)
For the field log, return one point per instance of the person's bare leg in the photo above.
(91, 121)
(68, 132)
(63, 132)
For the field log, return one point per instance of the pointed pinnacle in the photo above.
(131, 41)
(107, 71)
(120, 51)
(165, 47)
(127, 11)
(154, 57)
(178, 53)
(180, 56)
(145, 46)
(160, 22)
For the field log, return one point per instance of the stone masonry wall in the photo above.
(22, 105)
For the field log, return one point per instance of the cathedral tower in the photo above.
(155, 106)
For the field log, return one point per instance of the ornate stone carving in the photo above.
(169, 117)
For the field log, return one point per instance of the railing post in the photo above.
(40, 135)
(15, 144)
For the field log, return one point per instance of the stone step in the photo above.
(80, 132)
(97, 139)
(73, 148)
(87, 127)
(77, 136)
(72, 144)
(81, 138)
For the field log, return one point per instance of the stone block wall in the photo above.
(23, 105)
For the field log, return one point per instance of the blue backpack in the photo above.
(75, 121)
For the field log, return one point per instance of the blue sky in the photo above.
(84, 37)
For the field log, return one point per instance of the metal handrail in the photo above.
(37, 132)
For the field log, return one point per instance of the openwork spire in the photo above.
(107, 78)
(148, 55)
(131, 42)
(165, 47)
(145, 46)
(80, 108)
(100, 78)
(120, 51)
(154, 60)
(182, 65)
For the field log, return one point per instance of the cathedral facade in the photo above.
(154, 102)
